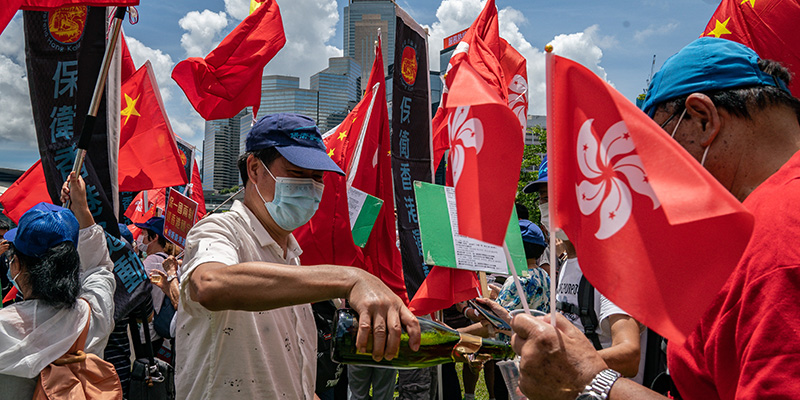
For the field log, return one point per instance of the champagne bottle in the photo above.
(439, 345)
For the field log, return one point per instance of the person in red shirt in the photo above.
(734, 113)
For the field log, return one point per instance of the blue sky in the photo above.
(616, 39)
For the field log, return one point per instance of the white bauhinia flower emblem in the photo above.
(464, 132)
(604, 164)
(518, 99)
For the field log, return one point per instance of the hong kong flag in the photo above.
(486, 145)
(654, 231)
(767, 26)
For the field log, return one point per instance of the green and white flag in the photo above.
(444, 247)
(364, 210)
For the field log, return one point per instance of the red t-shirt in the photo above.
(747, 345)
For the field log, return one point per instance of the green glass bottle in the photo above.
(439, 345)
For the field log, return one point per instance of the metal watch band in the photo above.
(601, 384)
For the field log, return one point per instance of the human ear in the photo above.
(252, 168)
(704, 113)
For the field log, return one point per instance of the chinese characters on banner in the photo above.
(411, 154)
(178, 217)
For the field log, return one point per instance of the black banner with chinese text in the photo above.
(64, 52)
(411, 151)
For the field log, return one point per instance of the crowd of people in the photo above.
(234, 315)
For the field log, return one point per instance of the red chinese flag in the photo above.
(126, 61)
(197, 192)
(442, 288)
(148, 155)
(7, 12)
(767, 26)
(229, 78)
(369, 169)
(27, 191)
(654, 231)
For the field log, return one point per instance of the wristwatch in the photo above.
(171, 277)
(600, 386)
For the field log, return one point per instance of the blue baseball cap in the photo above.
(541, 178)
(707, 64)
(43, 227)
(295, 137)
(155, 224)
(125, 233)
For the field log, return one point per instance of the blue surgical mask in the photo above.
(13, 280)
(295, 202)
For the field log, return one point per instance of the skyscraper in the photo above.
(221, 149)
(339, 88)
(282, 94)
(362, 18)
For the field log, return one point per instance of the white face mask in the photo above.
(705, 153)
(295, 201)
(142, 247)
(544, 211)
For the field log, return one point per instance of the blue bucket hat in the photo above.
(707, 64)
(43, 227)
(532, 239)
(295, 137)
(155, 224)
(541, 178)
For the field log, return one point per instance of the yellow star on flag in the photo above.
(342, 134)
(330, 153)
(130, 109)
(720, 29)
(752, 3)
(354, 119)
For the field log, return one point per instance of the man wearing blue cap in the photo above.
(733, 112)
(245, 326)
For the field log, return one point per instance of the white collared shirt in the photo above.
(241, 354)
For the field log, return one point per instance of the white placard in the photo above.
(473, 254)
(355, 202)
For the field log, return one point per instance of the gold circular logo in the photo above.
(66, 23)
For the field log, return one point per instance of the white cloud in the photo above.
(583, 47)
(162, 65)
(15, 103)
(309, 25)
(238, 9)
(202, 28)
(654, 30)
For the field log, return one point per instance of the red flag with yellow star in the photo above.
(148, 155)
(360, 146)
(767, 26)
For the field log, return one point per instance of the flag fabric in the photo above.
(147, 144)
(411, 137)
(513, 72)
(10, 8)
(766, 26)
(197, 191)
(654, 231)
(127, 68)
(229, 78)
(139, 213)
(27, 191)
(360, 146)
(442, 288)
(484, 167)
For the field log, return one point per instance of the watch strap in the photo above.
(600, 386)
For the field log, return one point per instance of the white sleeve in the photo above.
(211, 240)
(97, 286)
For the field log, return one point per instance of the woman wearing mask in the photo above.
(57, 260)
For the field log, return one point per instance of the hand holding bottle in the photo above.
(382, 315)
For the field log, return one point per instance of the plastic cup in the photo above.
(155, 279)
(535, 313)
(510, 371)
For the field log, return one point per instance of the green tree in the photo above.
(529, 172)
(229, 190)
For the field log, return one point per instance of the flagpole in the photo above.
(88, 124)
(549, 61)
